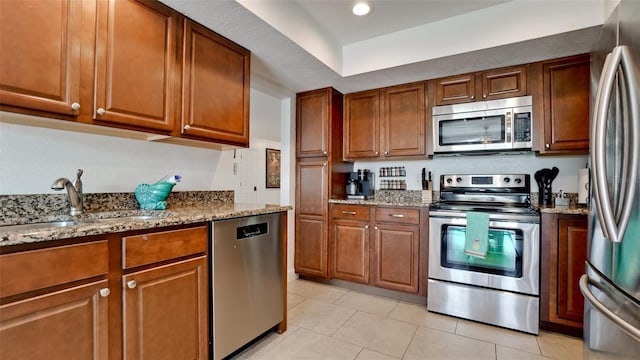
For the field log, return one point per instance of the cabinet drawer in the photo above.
(154, 247)
(397, 215)
(352, 212)
(38, 269)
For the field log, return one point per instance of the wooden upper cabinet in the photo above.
(403, 120)
(565, 101)
(387, 122)
(362, 124)
(485, 85)
(456, 89)
(136, 54)
(215, 87)
(313, 122)
(40, 56)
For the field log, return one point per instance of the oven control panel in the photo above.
(509, 181)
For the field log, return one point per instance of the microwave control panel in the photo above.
(522, 127)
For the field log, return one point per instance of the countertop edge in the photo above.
(173, 217)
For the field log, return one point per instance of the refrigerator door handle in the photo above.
(612, 229)
(591, 298)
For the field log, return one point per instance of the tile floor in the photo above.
(328, 322)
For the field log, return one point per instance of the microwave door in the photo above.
(481, 130)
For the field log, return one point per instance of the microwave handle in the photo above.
(508, 127)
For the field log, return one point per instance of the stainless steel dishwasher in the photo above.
(246, 272)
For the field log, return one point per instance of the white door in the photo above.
(246, 177)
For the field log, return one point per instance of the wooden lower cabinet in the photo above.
(350, 243)
(55, 302)
(379, 246)
(311, 246)
(165, 311)
(67, 324)
(396, 260)
(138, 295)
(564, 252)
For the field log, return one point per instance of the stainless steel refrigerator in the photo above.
(611, 285)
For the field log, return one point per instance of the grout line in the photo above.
(410, 341)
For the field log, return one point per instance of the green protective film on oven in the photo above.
(501, 254)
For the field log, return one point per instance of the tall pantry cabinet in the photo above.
(319, 176)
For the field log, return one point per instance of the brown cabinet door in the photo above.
(403, 120)
(312, 246)
(351, 250)
(566, 105)
(456, 89)
(572, 254)
(395, 263)
(504, 83)
(362, 125)
(136, 54)
(40, 55)
(66, 324)
(312, 187)
(215, 88)
(312, 123)
(165, 312)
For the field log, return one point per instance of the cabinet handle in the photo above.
(75, 106)
(187, 127)
(349, 212)
(473, 97)
(397, 215)
(547, 146)
(105, 292)
(131, 284)
(101, 111)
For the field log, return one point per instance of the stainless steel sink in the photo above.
(36, 226)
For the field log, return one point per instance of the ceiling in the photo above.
(300, 45)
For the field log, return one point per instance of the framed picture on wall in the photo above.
(273, 168)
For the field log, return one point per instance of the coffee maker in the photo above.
(360, 185)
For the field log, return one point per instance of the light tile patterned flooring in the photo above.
(328, 322)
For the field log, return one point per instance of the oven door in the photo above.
(512, 261)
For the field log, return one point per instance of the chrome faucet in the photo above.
(74, 192)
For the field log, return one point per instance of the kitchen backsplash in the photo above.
(18, 209)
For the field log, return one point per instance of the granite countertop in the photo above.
(570, 210)
(97, 223)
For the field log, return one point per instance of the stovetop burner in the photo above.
(509, 194)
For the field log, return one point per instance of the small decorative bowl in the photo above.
(153, 197)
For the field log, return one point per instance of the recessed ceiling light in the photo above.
(362, 8)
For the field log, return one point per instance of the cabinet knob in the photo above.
(473, 97)
(324, 152)
(187, 127)
(377, 152)
(386, 153)
(366, 227)
(105, 292)
(484, 96)
(101, 111)
(75, 106)
(131, 284)
(547, 146)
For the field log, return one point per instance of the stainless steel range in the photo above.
(499, 285)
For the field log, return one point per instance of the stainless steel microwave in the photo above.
(494, 125)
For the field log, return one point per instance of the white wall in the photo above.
(31, 158)
(567, 179)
